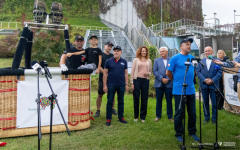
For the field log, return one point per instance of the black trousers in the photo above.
(141, 86)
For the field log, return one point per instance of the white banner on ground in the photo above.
(27, 115)
(230, 95)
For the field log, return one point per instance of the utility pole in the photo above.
(215, 22)
(161, 18)
(234, 11)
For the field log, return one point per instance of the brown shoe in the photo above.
(157, 119)
(172, 120)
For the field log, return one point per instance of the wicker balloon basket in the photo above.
(78, 106)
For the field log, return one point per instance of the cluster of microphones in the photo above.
(42, 65)
(196, 61)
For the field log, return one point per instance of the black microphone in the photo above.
(44, 65)
(196, 59)
(35, 65)
(194, 62)
(199, 60)
(187, 64)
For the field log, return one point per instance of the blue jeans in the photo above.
(141, 85)
(159, 96)
(111, 93)
(178, 118)
(205, 94)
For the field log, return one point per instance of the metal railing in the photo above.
(136, 37)
(10, 25)
(129, 42)
(192, 27)
(182, 22)
(16, 25)
(91, 27)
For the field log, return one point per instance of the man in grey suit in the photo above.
(162, 84)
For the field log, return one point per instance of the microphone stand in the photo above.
(200, 145)
(38, 109)
(216, 145)
(184, 99)
(53, 98)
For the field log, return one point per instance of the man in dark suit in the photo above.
(207, 85)
(162, 84)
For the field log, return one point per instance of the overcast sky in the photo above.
(224, 10)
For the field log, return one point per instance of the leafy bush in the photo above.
(81, 8)
(153, 53)
(48, 45)
(8, 45)
(94, 82)
(151, 91)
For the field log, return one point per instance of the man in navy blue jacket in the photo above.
(207, 85)
(162, 84)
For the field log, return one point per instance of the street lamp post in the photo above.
(237, 38)
(215, 18)
(203, 36)
(161, 18)
(234, 11)
(235, 17)
(215, 22)
(204, 20)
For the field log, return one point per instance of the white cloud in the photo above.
(223, 8)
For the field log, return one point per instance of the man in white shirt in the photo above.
(208, 76)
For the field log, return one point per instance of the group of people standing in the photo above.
(169, 78)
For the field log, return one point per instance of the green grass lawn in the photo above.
(148, 135)
(5, 62)
(85, 21)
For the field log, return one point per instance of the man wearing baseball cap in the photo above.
(115, 78)
(106, 55)
(176, 72)
(77, 60)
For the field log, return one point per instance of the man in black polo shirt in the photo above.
(77, 60)
(94, 54)
(106, 55)
(115, 78)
